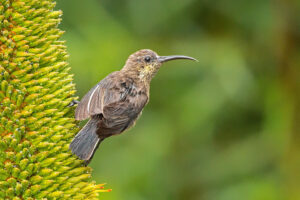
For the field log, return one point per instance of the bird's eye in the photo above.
(147, 59)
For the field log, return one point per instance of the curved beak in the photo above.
(163, 59)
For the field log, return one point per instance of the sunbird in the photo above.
(116, 102)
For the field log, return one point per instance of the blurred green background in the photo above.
(225, 128)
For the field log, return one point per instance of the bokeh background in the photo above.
(225, 128)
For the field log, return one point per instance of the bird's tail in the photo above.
(86, 141)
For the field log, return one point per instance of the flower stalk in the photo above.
(36, 126)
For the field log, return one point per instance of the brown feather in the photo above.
(92, 102)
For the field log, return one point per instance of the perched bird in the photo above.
(116, 102)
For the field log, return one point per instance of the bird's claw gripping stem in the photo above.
(73, 103)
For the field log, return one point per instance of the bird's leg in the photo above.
(73, 103)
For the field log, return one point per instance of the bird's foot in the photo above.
(73, 103)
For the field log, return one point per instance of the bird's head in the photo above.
(146, 62)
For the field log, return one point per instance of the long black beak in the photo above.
(162, 59)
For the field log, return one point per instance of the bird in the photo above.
(116, 102)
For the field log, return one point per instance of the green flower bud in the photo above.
(36, 126)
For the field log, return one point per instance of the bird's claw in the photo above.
(73, 103)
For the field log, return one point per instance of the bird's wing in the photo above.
(121, 114)
(125, 109)
(117, 99)
(92, 103)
